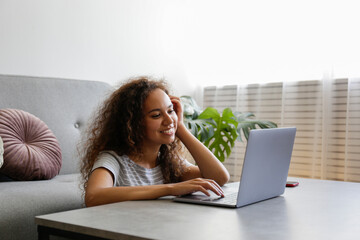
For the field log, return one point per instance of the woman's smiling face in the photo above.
(160, 119)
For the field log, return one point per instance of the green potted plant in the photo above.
(219, 131)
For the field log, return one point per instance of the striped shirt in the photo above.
(127, 173)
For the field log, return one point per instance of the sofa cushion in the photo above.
(21, 201)
(31, 150)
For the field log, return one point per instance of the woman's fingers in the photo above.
(214, 187)
(177, 107)
(176, 102)
(199, 184)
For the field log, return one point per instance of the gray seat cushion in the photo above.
(21, 201)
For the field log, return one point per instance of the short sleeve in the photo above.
(108, 161)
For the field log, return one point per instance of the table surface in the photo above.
(316, 209)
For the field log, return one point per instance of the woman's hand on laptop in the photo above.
(195, 185)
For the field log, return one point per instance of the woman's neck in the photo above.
(148, 159)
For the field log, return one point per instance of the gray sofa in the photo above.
(65, 106)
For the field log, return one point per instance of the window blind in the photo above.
(326, 114)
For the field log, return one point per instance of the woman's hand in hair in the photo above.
(178, 108)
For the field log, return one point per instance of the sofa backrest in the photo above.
(65, 105)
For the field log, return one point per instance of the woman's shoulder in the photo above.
(109, 154)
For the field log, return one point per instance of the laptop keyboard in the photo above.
(228, 199)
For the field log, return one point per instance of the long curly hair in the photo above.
(119, 126)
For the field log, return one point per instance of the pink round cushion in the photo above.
(31, 150)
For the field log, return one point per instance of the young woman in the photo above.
(134, 149)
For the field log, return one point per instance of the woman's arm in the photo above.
(100, 189)
(208, 166)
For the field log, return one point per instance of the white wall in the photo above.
(189, 42)
(105, 40)
(242, 41)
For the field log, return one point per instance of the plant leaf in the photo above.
(202, 129)
(210, 113)
(218, 131)
(190, 108)
(246, 123)
(225, 133)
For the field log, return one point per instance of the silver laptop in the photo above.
(264, 172)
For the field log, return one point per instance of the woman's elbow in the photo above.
(223, 179)
(90, 200)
